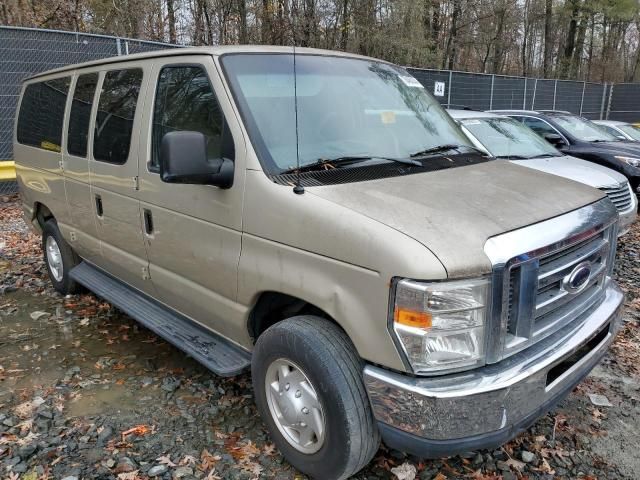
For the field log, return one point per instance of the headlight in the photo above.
(441, 325)
(633, 161)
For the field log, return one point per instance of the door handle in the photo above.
(148, 221)
(99, 210)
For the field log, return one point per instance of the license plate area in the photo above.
(561, 368)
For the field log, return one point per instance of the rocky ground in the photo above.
(87, 393)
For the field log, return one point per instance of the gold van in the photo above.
(317, 217)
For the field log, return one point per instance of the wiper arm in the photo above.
(329, 163)
(546, 155)
(444, 148)
(513, 157)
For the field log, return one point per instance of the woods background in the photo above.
(594, 40)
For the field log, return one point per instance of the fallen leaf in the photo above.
(166, 460)
(37, 315)
(406, 471)
(128, 475)
(138, 431)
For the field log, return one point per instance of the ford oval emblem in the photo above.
(578, 278)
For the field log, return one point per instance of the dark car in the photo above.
(579, 137)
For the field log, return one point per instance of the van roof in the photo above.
(220, 50)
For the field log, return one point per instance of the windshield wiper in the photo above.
(546, 155)
(445, 148)
(328, 163)
(513, 157)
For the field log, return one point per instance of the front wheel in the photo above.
(307, 379)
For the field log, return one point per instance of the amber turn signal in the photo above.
(411, 318)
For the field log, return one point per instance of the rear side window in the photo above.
(185, 101)
(42, 113)
(81, 114)
(116, 111)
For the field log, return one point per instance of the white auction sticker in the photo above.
(411, 81)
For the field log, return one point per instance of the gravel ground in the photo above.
(85, 393)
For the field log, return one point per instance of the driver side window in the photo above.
(185, 101)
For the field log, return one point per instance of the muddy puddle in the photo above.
(50, 342)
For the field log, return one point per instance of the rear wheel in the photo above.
(307, 379)
(59, 259)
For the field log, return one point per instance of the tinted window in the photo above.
(185, 101)
(42, 113)
(80, 114)
(539, 126)
(116, 110)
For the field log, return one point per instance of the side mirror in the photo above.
(183, 159)
(555, 140)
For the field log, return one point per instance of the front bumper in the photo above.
(484, 408)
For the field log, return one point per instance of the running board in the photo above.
(210, 349)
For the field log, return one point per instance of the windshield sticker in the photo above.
(388, 117)
(471, 122)
(410, 81)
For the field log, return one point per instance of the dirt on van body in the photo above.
(87, 393)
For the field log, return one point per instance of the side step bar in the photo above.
(210, 349)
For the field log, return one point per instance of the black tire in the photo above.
(332, 365)
(65, 285)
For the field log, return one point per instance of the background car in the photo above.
(579, 137)
(506, 138)
(621, 130)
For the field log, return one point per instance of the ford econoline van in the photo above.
(317, 218)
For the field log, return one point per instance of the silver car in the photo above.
(621, 130)
(505, 138)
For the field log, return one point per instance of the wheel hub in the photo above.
(54, 259)
(294, 406)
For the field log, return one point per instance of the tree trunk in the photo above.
(452, 40)
(548, 38)
(344, 33)
(171, 18)
(267, 23)
(570, 41)
(242, 14)
(576, 60)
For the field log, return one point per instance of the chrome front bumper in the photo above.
(439, 416)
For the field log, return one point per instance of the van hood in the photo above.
(575, 169)
(453, 212)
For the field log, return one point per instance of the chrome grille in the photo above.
(538, 301)
(620, 195)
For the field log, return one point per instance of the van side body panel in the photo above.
(39, 172)
(195, 245)
(82, 215)
(119, 227)
(332, 259)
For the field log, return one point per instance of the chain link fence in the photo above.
(25, 52)
(480, 91)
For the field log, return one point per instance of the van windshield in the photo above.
(346, 107)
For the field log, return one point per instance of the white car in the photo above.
(505, 138)
(621, 130)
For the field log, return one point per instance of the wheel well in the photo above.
(273, 307)
(42, 214)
